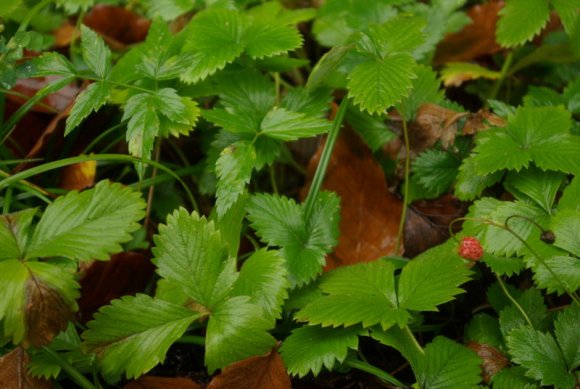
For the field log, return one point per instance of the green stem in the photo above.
(324, 160)
(192, 339)
(273, 179)
(101, 136)
(84, 158)
(413, 340)
(513, 300)
(152, 187)
(77, 376)
(406, 185)
(368, 368)
(26, 21)
(504, 71)
(277, 86)
(7, 201)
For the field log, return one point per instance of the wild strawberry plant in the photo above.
(239, 260)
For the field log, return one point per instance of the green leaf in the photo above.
(8, 7)
(425, 89)
(236, 330)
(135, 326)
(566, 226)
(231, 223)
(568, 335)
(400, 340)
(455, 73)
(279, 221)
(285, 125)
(362, 293)
(326, 65)
(381, 83)
(513, 378)
(264, 279)
(14, 233)
(436, 170)
(371, 128)
(88, 225)
(143, 125)
(470, 184)
(540, 355)
(75, 6)
(312, 102)
(496, 240)
(402, 34)
(234, 170)
(13, 276)
(53, 64)
(214, 37)
(269, 38)
(483, 328)
(89, 100)
(447, 364)
(189, 252)
(521, 20)
(169, 10)
(540, 186)
(309, 348)
(432, 279)
(95, 52)
(532, 302)
(503, 265)
(538, 134)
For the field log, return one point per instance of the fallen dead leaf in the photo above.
(53, 103)
(125, 273)
(475, 39)
(151, 382)
(47, 313)
(433, 123)
(65, 34)
(370, 213)
(13, 373)
(492, 359)
(118, 25)
(78, 176)
(480, 121)
(265, 372)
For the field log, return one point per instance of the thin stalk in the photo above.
(513, 300)
(368, 368)
(101, 157)
(101, 136)
(504, 71)
(406, 185)
(324, 160)
(411, 337)
(152, 187)
(76, 376)
(192, 339)
(273, 179)
(26, 21)
(277, 86)
(7, 201)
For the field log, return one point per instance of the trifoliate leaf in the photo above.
(264, 279)
(285, 125)
(568, 335)
(236, 330)
(521, 20)
(436, 170)
(88, 225)
(279, 221)
(484, 329)
(425, 89)
(215, 39)
(310, 348)
(268, 38)
(378, 84)
(495, 239)
(14, 233)
(539, 353)
(513, 378)
(190, 252)
(540, 186)
(431, 279)
(135, 326)
(95, 52)
(362, 293)
(234, 170)
(447, 364)
(89, 100)
(538, 134)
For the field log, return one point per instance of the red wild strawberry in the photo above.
(470, 248)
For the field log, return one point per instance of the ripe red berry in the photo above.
(470, 248)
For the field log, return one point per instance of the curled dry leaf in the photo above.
(263, 372)
(118, 25)
(125, 273)
(47, 313)
(151, 382)
(492, 359)
(370, 213)
(475, 39)
(13, 372)
(481, 120)
(433, 123)
(78, 176)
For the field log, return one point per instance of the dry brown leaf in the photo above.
(125, 273)
(369, 212)
(492, 359)
(78, 176)
(481, 120)
(151, 382)
(13, 373)
(118, 25)
(53, 103)
(65, 34)
(475, 39)
(47, 313)
(433, 123)
(265, 372)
